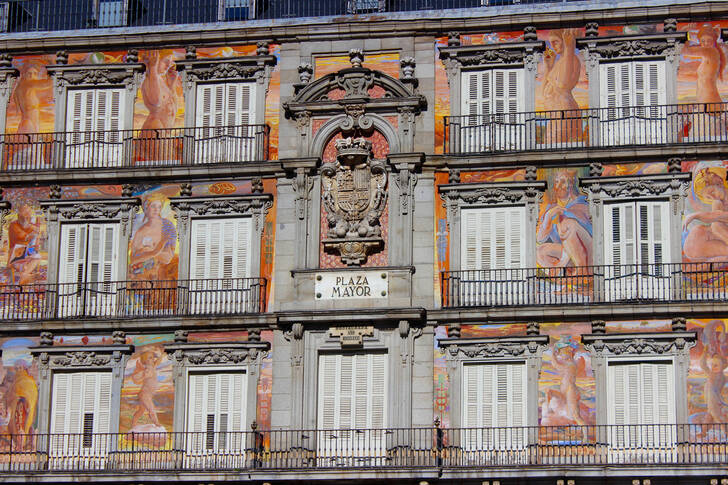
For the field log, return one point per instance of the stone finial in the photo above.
(591, 29)
(305, 73)
(62, 57)
(404, 328)
(531, 173)
(453, 39)
(453, 177)
(679, 324)
(533, 328)
(190, 53)
(530, 34)
(596, 169)
(356, 57)
(6, 60)
(54, 192)
(185, 190)
(669, 25)
(263, 48)
(674, 165)
(599, 326)
(256, 185)
(453, 330)
(180, 336)
(254, 334)
(118, 337)
(132, 56)
(46, 339)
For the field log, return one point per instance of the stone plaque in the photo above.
(351, 285)
(351, 335)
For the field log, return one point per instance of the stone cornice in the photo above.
(632, 46)
(81, 356)
(96, 75)
(639, 343)
(473, 348)
(91, 209)
(212, 354)
(491, 54)
(636, 185)
(222, 205)
(225, 69)
(493, 193)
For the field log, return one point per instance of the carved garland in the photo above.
(99, 75)
(256, 205)
(647, 344)
(74, 357)
(217, 354)
(92, 210)
(529, 346)
(498, 193)
(234, 68)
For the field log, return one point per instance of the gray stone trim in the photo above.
(79, 358)
(671, 187)
(187, 208)
(489, 194)
(258, 69)
(405, 167)
(8, 77)
(661, 45)
(463, 351)
(188, 356)
(303, 178)
(478, 57)
(69, 76)
(58, 212)
(642, 346)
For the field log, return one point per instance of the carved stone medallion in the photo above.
(354, 195)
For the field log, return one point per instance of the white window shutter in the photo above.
(220, 248)
(62, 394)
(493, 238)
(494, 395)
(643, 393)
(648, 83)
(81, 398)
(198, 249)
(216, 409)
(204, 105)
(328, 390)
(619, 232)
(73, 253)
(102, 252)
(654, 237)
(377, 373)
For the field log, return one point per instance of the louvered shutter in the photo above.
(637, 232)
(616, 86)
(648, 83)
(506, 90)
(493, 238)
(654, 237)
(619, 232)
(224, 111)
(220, 248)
(94, 118)
(216, 410)
(102, 249)
(73, 253)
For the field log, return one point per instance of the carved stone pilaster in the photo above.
(8, 77)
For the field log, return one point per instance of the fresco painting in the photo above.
(387, 62)
(707, 392)
(566, 385)
(18, 393)
(705, 224)
(639, 326)
(641, 168)
(493, 330)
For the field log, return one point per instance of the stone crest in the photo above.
(354, 195)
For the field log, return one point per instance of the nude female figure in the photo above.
(145, 374)
(714, 362)
(569, 367)
(27, 96)
(708, 242)
(153, 244)
(561, 77)
(158, 94)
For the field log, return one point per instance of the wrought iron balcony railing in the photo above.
(134, 148)
(666, 282)
(133, 299)
(381, 449)
(584, 128)
(48, 15)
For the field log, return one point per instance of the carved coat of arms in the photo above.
(354, 195)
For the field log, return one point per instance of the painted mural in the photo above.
(707, 392)
(23, 246)
(705, 225)
(18, 393)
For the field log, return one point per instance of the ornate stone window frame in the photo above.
(65, 77)
(458, 58)
(492, 194)
(189, 357)
(257, 69)
(674, 346)
(81, 211)
(188, 208)
(672, 187)
(463, 351)
(620, 48)
(79, 358)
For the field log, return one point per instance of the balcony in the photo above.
(375, 449)
(172, 147)
(666, 282)
(50, 15)
(133, 299)
(686, 124)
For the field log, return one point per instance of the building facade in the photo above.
(420, 242)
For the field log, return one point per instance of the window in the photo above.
(642, 407)
(494, 405)
(633, 93)
(111, 13)
(235, 9)
(93, 120)
(491, 101)
(80, 414)
(216, 411)
(88, 268)
(637, 244)
(352, 394)
(225, 113)
(492, 253)
(364, 6)
(4, 15)
(220, 264)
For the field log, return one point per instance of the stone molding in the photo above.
(85, 357)
(642, 344)
(72, 210)
(491, 54)
(96, 75)
(242, 68)
(475, 348)
(636, 186)
(625, 47)
(255, 205)
(215, 354)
